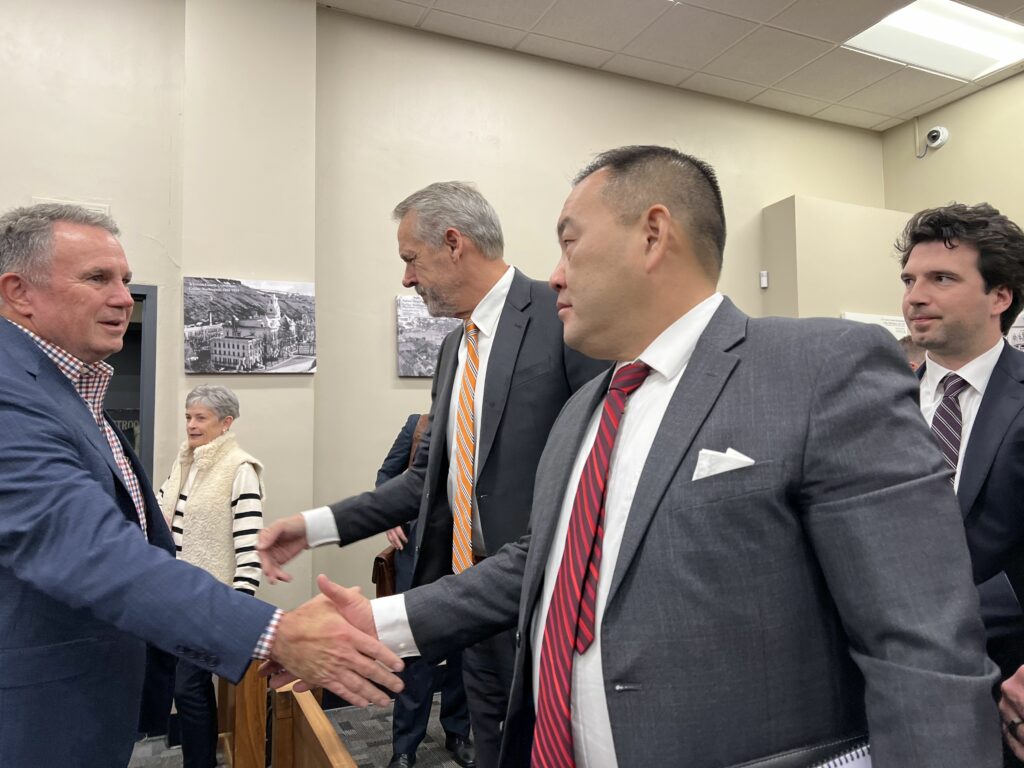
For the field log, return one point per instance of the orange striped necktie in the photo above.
(465, 458)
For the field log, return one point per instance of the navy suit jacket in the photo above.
(991, 490)
(87, 604)
(530, 375)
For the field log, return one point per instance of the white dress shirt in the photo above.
(976, 373)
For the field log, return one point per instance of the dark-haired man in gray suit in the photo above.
(746, 545)
(470, 492)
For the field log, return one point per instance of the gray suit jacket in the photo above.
(824, 590)
(530, 375)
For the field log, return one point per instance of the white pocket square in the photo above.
(715, 463)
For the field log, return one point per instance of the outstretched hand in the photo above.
(279, 544)
(331, 641)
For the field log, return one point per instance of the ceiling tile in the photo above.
(835, 20)
(885, 125)
(755, 10)
(941, 101)
(998, 7)
(901, 91)
(522, 14)
(837, 74)
(471, 29)
(721, 86)
(550, 48)
(1002, 74)
(766, 56)
(393, 11)
(608, 24)
(646, 70)
(789, 102)
(1017, 16)
(848, 116)
(688, 37)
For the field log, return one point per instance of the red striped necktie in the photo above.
(570, 621)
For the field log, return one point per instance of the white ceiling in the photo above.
(781, 54)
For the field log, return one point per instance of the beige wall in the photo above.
(398, 109)
(825, 258)
(982, 162)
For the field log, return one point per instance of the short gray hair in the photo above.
(221, 400)
(26, 236)
(455, 204)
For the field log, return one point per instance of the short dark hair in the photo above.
(645, 175)
(1000, 245)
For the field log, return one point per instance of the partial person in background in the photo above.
(213, 503)
(963, 277)
(411, 712)
(914, 353)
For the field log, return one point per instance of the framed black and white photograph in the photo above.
(419, 336)
(249, 326)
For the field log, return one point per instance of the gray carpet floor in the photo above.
(365, 732)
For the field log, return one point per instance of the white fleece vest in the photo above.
(207, 540)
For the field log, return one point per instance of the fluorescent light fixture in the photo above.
(945, 37)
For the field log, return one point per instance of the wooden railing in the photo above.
(303, 736)
(242, 719)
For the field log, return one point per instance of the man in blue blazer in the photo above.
(93, 605)
(963, 272)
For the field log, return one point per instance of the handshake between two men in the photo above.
(331, 640)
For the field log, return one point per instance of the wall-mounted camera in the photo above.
(936, 137)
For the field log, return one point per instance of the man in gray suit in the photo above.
(510, 369)
(777, 562)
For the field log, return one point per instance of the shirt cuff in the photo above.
(392, 621)
(266, 641)
(320, 527)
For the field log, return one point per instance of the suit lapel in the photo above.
(62, 392)
(501, 363)
(1003, 400)
(706, 373)
(446, 367)
(563, 447)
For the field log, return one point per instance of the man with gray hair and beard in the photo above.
(500, 382)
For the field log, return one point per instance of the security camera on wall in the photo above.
(936, 137)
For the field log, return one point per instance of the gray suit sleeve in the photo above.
(458, 611)
(886, 529)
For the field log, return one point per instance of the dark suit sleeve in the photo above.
(887, 532)
(62, 533)
(398, 456)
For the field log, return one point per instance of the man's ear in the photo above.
(1002, 298)
(657, 227)
(15, 293)
(453, 242)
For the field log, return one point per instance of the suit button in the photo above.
(519, 639)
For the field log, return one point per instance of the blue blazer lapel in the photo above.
(62, 392)
(702, 382)
(1003, 400)
(502, 361)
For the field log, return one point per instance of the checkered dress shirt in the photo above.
(91, 381)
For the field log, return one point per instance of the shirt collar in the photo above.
(669, 353)
(488, 311)
(976, 373)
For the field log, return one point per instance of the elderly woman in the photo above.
(213, 503)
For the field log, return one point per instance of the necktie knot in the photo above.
(629, 377)
(471, 330)
(953, 385)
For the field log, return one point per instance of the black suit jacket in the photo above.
(530, 375)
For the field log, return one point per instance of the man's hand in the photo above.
(1011, 710)
(397, 538)
(279, 543)
(319, 646)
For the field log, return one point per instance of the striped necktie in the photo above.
(947, 423)
(465, 457)
(569, 625)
